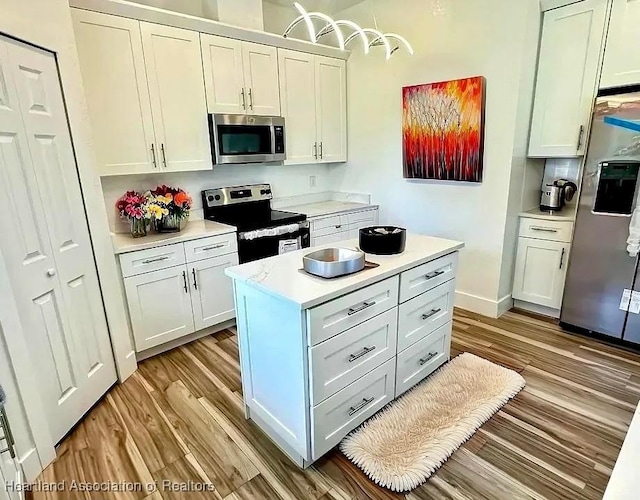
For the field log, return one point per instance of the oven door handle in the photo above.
(274, 232)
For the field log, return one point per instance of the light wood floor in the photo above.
(180, 418)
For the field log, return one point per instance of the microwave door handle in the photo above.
(273, 139)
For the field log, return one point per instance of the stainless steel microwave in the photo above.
(246, 138)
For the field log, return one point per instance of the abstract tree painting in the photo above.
(442, 130)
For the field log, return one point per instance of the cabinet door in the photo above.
(159, 306)
(260, 64)
(115, 85)
(224, 80)
(541, 268)
(212, 291)
(622, 53)
(566, 82)
(331, 109)
(178, 104)
(297, 92)
(9, 473)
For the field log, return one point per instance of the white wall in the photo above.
(285, 180)
(277, 17)
(473, 37)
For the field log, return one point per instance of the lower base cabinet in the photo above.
(335, 228)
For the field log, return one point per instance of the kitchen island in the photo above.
(318, 357)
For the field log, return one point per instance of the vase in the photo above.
(138, 228)
(169, 224)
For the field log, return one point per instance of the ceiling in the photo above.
(327, 6)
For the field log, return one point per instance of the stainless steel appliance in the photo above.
(555, 195)
(246, 139)
(333, 262)
(602, 291)
(262, 232)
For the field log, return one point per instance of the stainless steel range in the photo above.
(262, 231)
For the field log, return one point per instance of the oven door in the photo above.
(246, 139)
(262, 243)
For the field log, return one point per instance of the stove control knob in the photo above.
(210, 198)
(263, 191)
(217, 197)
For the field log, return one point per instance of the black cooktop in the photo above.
(247, 218)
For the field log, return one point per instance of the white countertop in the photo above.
(567, 214)
(624, 483)
(194, 230)
(328, 208)
(282, 276)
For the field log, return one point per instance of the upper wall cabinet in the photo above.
(566, 82)
(241, 77)
(144, 86)
(622, 53)
(313, 93)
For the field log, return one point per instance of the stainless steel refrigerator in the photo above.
(603, 281)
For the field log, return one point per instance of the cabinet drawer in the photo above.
(427, 276)
(546, 229)
(327, 320)
(144, 261)
(213, 246)
(329, 225)
(424, 314)
(363, 219)
(337, 362)
(341, 413)
(422, 358)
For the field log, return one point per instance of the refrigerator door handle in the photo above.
(580, 134)
(562, 258)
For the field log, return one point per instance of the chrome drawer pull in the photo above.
(360, 406)
(428, 358)
(353, 310)
(431, 313)
(8, 436)
(434, 274)
(364, 352)
(543, 229)
(151, 261)
(214, 247)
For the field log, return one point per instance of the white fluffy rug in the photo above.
(402, 445)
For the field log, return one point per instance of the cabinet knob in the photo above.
(51, 272)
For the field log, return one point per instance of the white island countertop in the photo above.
(324, 208)
(282, 276)
(194, 230)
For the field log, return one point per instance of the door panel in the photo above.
(622, 54)
(178, 104)
(159, 306)
(115, 85)
(297, 85)
(51, 261)
(261, 79)
(212, 291)
(223, 74)
(331, 108)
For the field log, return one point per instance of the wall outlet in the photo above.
(312, 181)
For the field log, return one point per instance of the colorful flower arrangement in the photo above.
(132, 205)
(170, 201)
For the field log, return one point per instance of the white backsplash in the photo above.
(562, 168)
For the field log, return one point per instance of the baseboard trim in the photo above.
(482, 305)
(535, 308)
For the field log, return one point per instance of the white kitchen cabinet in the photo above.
(211, 293)
(144, 85)
(621, 64)
(313, 96)
(541, 268)
(240, 77)
(159, 306)
(334, 228)
(570, 49)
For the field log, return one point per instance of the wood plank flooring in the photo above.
(180, 419)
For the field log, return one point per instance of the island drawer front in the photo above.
(364, 218)
(422, 358)
(154, 259)
(427, 276)
(339, 361)
(424, 314)
(338, 315)
(546, 229)
(334, 418)
(213, 246)
(329, 225)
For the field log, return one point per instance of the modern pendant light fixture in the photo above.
(377, 39)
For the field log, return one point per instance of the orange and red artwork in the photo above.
(442, 130)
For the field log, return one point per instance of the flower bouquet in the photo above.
(133, 206)
(169, 206)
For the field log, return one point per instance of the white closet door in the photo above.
(261, 79)
(178, 104)
(331, 109)
(9, 471)
(298, 100)
(49, 254)
(222, 62)
(115, 85)
(212, 291)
